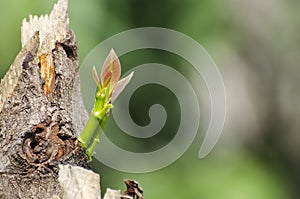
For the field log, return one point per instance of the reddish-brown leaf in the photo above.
(120, 86)
(111, 70)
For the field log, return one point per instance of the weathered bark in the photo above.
(78, 183)
(41, 113)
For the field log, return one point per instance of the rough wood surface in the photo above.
(41, 111)
(112, 194)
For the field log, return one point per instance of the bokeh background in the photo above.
(256, 47)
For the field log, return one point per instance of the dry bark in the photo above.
(41, 114)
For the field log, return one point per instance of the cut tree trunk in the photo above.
(41, 115)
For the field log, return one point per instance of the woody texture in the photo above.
(42, 114)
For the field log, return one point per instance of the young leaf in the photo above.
(95, 76)
(120, 86)
(111, 71)
(109, 88)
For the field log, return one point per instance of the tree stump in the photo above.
(42, 113)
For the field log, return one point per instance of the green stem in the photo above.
(88, 131)
(96, 139)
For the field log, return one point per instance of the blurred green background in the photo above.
(256, 47)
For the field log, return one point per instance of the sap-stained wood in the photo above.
(47, 71)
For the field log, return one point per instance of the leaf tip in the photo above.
(112, 51)
(131, 75)
(95, 75)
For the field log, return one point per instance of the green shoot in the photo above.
(109, 87)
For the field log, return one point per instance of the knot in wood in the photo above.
(43, 145)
